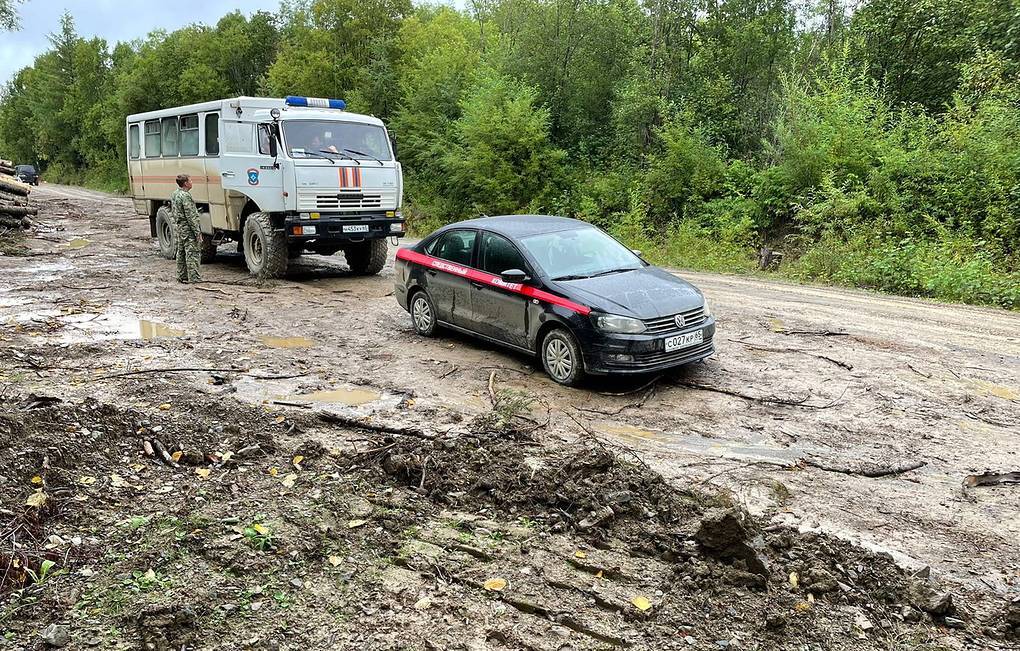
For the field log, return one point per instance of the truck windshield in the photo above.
(317, 137)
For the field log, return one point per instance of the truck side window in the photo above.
(152, 141)
(133, 144)
(189, 135)
(212, 134)
(171, 137)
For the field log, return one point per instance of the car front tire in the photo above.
(423, 314)
(561, 357)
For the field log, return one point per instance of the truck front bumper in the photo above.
(343, 227)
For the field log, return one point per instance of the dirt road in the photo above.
(811, 387)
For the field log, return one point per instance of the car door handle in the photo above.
(477, 285)
(229, 175)
(431, 272)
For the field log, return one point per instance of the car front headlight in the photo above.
(620, 324)
(707, 309)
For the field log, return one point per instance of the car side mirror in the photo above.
(514, 276)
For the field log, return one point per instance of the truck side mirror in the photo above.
(393, 146)
(274, 150)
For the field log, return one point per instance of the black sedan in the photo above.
(556, 287)
(27, 174)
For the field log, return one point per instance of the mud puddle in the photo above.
(755, 449)
(287, 342)
(338, 398)
(45, 271)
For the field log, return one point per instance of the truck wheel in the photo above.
(166, 234)
(265, 250)
(561, 357)
(366, 258)
(208, 249)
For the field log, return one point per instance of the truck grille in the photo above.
(341, 201)
(664, 324)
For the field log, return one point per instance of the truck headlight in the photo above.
(621, 324)
(397, 228)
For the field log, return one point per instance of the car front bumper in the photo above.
(616, 354)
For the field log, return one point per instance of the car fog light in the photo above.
(618, 357)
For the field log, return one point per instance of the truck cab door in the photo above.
(247, 169)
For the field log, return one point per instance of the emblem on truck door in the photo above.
(253, 176)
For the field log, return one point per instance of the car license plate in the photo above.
(684, 340)
(356, 228)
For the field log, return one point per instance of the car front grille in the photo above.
(665, 324)
(652, 360)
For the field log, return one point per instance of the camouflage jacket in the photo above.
(184, 212)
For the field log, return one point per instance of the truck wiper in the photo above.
(312, 153)
(328, 151)
(361, 153)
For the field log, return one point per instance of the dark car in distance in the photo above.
(556, 287)
(27, 174)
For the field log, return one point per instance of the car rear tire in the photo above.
(166, 234)
(265, 249)
(366, 258)
(561, 357)
(423, 314)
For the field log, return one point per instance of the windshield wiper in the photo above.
(572, 277)
(612, 271)
(361, 153)
(312, 153)
(330, 151)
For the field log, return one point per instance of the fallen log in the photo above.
(866, 470)
(14, 186)
(9, 171)
(18, 210)
(16, 199)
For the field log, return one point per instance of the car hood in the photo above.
(643, 293)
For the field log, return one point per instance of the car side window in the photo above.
(455, 246)
(498, 254)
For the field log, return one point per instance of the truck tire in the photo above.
(366, 258)
(265, 249)
(208, 249)
(166, 234)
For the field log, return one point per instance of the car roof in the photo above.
(516, 226)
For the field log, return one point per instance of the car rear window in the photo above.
(455, 246)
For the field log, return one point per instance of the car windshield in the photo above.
(580, 253)
(26, 168)
(345, 139)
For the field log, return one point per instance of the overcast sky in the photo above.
(114, 20)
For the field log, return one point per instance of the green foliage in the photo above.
(875, 145)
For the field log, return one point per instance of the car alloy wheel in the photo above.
(558, 359)
(421, 313)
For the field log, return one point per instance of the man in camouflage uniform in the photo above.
(189, 232)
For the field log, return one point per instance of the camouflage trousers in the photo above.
(189, 254)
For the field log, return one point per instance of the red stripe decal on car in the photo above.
(489, 279)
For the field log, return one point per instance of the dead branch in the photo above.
(188, 369)
(355, 423)
(866, 471)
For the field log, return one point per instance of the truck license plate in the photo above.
(356, 228)
(684, 340)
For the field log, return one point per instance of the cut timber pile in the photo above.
(14, 208)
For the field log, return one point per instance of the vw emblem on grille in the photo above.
(679, 320)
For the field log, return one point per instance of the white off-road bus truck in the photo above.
(278, 176)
